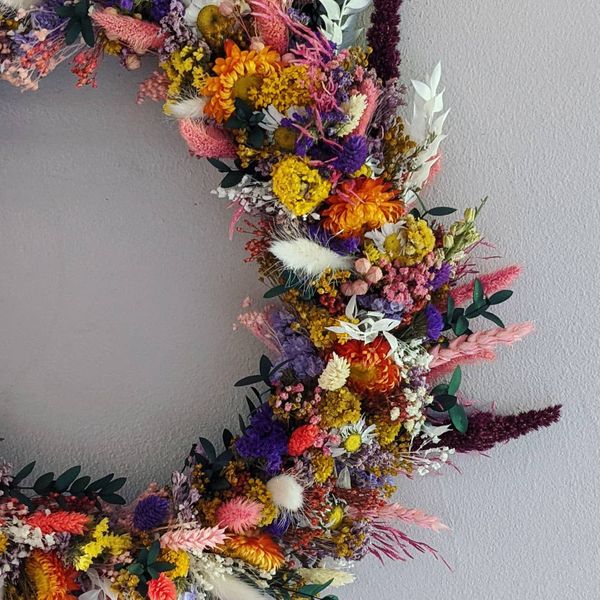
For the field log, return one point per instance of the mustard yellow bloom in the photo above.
(323, 465)
(283, 89)
(340, 407)
(101, 541)
(180, 559)
(3, 543)
(299, 187)
(185, 68)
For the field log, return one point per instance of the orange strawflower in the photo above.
(236, 74)
(50, 577)
(360, 205)
(162, 589)
(259, 550)
(371, 370)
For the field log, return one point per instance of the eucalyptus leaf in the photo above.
(459, 418)
(501, 296)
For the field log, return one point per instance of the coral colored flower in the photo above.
(371, 370)
(239, 514)
(302, 439)
(51, 579)
(236, 74)
(162, 589)
(61, 521)
(360, 205)
(260, 551)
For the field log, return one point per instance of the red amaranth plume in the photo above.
(487, 429)
(383, 37)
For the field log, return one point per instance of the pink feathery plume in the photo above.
(193, 540)
(139, 35)
(61, 521)
(492, 282)
(371, 91)
(271, 26)
(239, 514)
(470, 345)
(257, 322)
(413, 516)
(448, 367)
(153, 88)
(435, 168)
(235, 217)
(206, 141)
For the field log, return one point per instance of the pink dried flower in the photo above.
(492, 282)
(239, 514)
(206, 141)
(193, 540)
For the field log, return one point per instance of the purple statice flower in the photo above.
(391, 309)
(343, 81)
(295, 347)
(353, 154)
(435, 322)
(44, 15)
(126, 5)
(264, 439)
(159, 9)
(177, 33)
(279, 527)
(441, 277)
(5, 473)
(150, 512)
(184, 496)
(342, 246)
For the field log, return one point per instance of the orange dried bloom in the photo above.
(360, 205)
(61, 521)
(49, 576)
(302, 439)
(259, 550)
(236, 74)
(371, 370)
(162, 589)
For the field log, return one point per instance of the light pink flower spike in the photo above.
(492, 282)
(414, 516)
(272, 28)
(448, 367)
(139, 35)
(470, 345)
(206, 141)
(193, 540)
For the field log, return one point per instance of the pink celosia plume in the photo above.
(206, 141)
(469, 345)
(413, 516)
(139, 35)
(370, 90)
(272, 28)
(239, 514)
(492, 282)
(193, 540)
(449, 366)
(61, 521)
(257, 322)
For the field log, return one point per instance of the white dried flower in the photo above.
(320, 576)
(353, 108)
(335, 374)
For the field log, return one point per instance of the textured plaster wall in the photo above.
(118, 288)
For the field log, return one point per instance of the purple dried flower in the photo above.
(150, 512)
(126, 5)
(441, 277)
(435, 322)
(487, 429)
(265, 439)
(353, 154)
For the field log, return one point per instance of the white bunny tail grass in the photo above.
(308, 259)
(228, 587)
(286, 492)
(17, 4)
(186, 108)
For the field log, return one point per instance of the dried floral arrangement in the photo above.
(375, 306)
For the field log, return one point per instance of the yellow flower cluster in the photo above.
(127, 582)
(299, 187)
(328, 281)
(419, 241)
(185, 68)
(283, 89)
(371, 252)
(3, 543)
(339, 408)
(257, 490)
(345, 541)
(323, 465)
(387, 431)
(397, 149)
(101, 541)
(180, 559)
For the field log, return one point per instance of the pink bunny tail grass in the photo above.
(193, 540)
(153, 88)
(272, 28)
(206, 141)
(448, 367)
(492, 282)
(470, 345)
(139, 35)
(413, 516)
(371, 92)
(257, 323)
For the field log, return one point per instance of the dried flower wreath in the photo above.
(378, 300)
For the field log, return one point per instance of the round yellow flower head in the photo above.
(299, 187)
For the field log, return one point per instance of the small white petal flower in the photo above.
(335, 374)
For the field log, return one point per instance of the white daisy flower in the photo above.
(353, 437)
(389, 239)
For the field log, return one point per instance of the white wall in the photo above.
(118, 288)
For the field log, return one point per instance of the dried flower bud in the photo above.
(374, 275)
(362, 266)
(448, 241)
(133, 62)
(470, 214)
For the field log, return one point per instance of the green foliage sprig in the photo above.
(445, 400)
(79, 22)
(245, 119)
(147, 566)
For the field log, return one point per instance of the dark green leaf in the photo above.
(450, 308)
(162, 566)
(227, 438)
(455, 381)
(256, 137)
(80, 484)
(476, 308)
(477, 291)
(136, 569)
(242, 109)
(154, 574)
(65, 11)
(81, 8)
(209, 449)
(444, 402)
(242, 424)
(72, 31)
(459, 418)
(461, 325)
(113, 499)
(87, 31)
(235, 123)
(43, 483)
(275, 291)
(265, 367)
(114, 485)
(100, 483)
(67, 478)
(256, 118)
(232, 178)
(441, 388)
(441, 211)
(219, 485)
(23, 473)
(22, 498)
(493, 318)
(250, 380)
(314, 588)
(501, 296)
(251, 405)
(219, 164)
(153, 552)
(415, 213)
